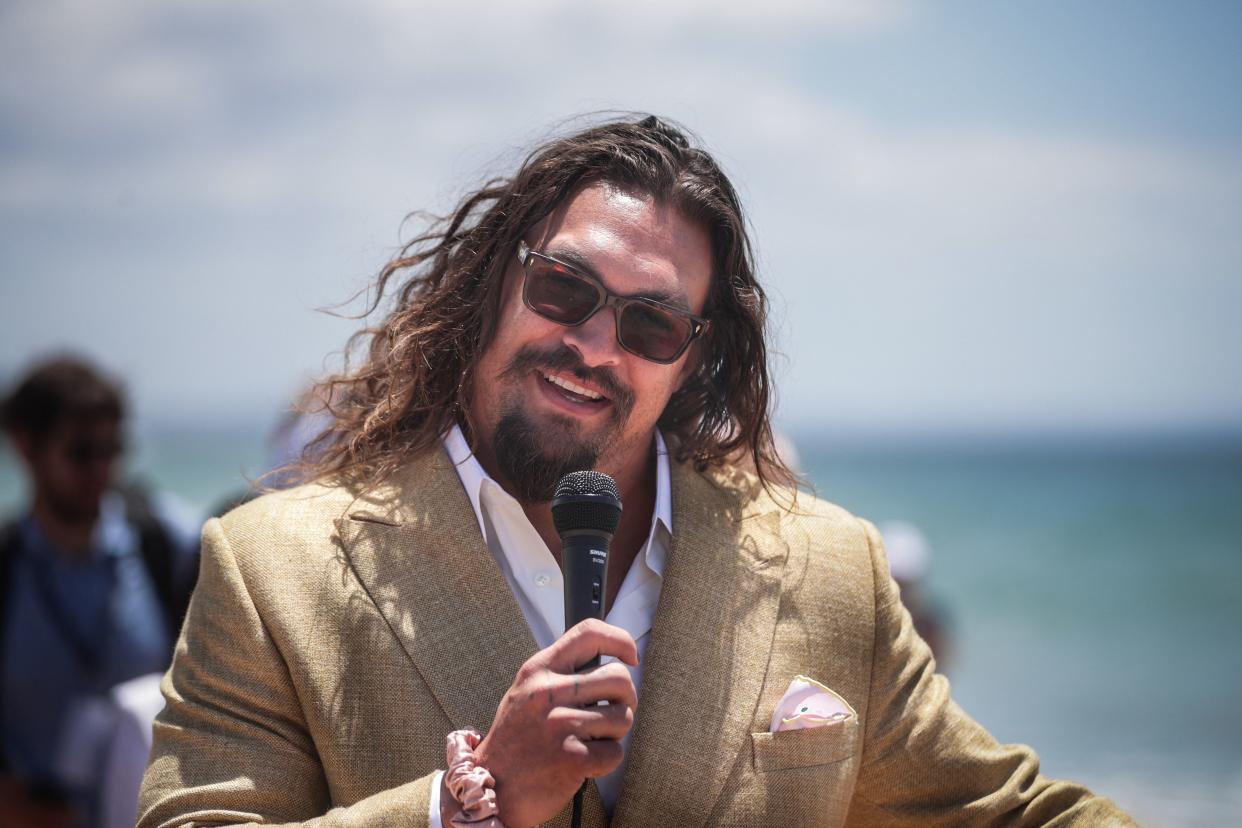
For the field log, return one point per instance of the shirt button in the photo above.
(543, 579)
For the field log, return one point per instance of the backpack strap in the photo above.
(159, 555)
(10, 546)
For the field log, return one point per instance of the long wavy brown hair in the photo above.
(415, 380)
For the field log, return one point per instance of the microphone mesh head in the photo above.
(588, 483)
(586, 500)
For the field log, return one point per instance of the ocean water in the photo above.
(1096, 604)
(1095, 594)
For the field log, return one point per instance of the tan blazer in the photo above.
(333, 641)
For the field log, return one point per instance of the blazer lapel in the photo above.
(705, 665)
(416, 547)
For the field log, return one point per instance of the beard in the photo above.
(533, 457)
(530, 463)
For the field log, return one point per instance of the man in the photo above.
(93, 584)
(598, 310)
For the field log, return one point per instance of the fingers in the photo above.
(596, 758)
(609, 682)
(587, 724)
(550, 730)
(587, 640)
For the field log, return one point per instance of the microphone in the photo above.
(585, 510)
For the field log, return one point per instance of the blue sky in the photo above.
(1152, 69)
(972, 216)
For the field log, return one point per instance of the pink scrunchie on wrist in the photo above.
(472, 786)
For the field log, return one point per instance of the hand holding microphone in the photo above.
(550, 733)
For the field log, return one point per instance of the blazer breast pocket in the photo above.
(805, 748)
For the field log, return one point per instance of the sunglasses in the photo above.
(561, 293)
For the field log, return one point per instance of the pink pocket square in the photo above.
(806, 704)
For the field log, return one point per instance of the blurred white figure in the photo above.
(909, 559)
(136, 702)
(909, 553)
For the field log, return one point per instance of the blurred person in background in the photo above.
(909, 560)
(94, 581)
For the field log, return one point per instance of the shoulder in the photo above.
(823, 543)
(307, 511)
(829, 559)
(792, 509)
(280, 550)
(303, 513)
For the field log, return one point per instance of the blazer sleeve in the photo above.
(231, 746)
(925, 762)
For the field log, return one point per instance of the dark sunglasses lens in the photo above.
(653, 332)
(557, 294)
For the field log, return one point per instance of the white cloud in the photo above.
(969, 240)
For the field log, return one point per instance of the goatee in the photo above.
(525, 460)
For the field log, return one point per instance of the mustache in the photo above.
(566, 360)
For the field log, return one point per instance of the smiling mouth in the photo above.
(572, 390)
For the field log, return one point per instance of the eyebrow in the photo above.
(580, 262)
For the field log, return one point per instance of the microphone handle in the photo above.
(584, 559)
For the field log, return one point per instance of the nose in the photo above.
(596, 339)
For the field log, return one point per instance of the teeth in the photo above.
(573, 386)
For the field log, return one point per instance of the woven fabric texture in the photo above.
(335, 637)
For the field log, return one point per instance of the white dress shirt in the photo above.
(536, 580)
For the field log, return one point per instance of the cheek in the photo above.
(517, 325)
(62, 477)
(505, 341)
(654, 389)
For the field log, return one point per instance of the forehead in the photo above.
(633, 243)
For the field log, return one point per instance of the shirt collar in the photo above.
(473, 478)
(468, 468)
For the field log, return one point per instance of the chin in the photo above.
(78, 514)
(533, 458)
